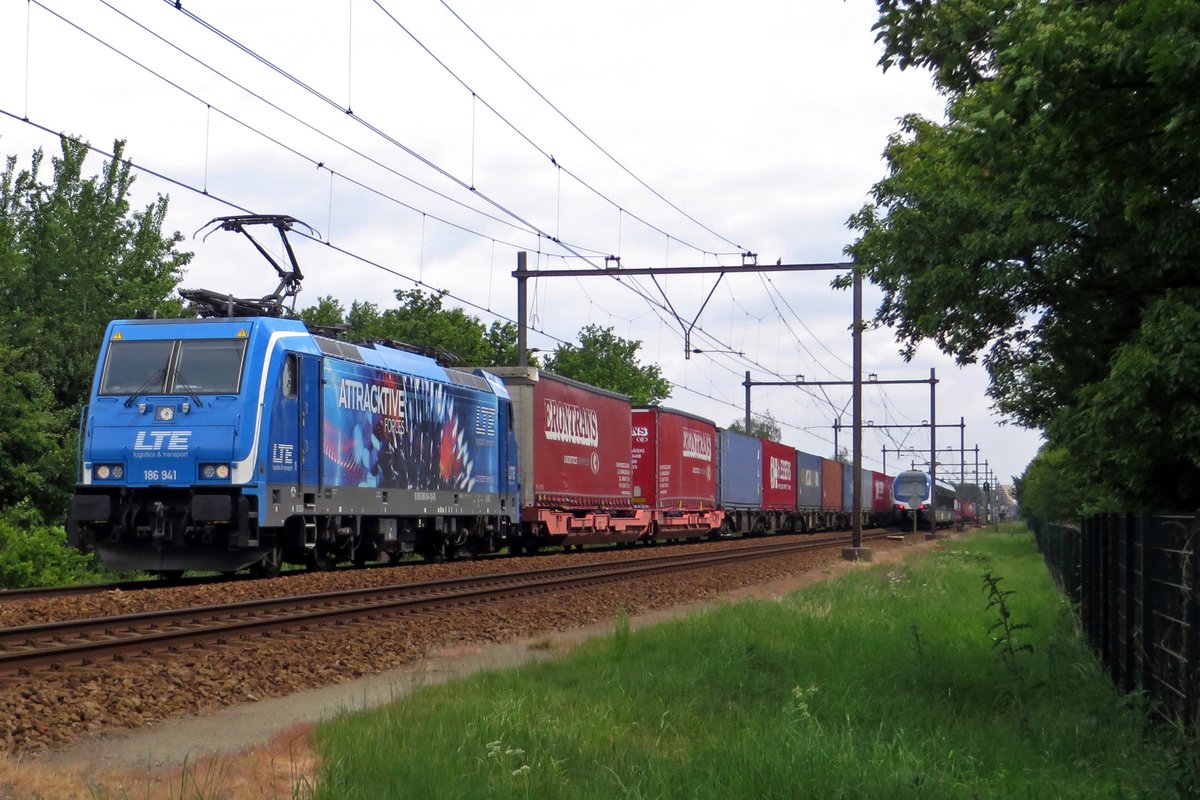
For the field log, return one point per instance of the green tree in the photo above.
(1149, 396)
(36, 457)
(422, 320)
(762, 426)
(327, 312)
(606, 360)
(73, 256)
(1044, 220)
(1049, 490)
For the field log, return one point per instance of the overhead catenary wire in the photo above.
(417, 210)
(632, 284)
(582, 133)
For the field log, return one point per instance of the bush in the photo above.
(33, 553)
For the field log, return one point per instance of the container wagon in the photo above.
(739, 465)
(576, 462)
(881, 499)
(832, 501)
(809, 513)
(779, 487)
(674, 457)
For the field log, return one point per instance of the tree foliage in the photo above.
(1042, 224)
(1048, 491)
(606, 360)
(73, 256)
(762, 426)
(33, 553)
(1151, 397)
(422, 320)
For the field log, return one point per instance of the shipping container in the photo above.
(740, 470)
(574, 441)
(808, 480)
(674, 460)
(778, 476)
(831, 485)
(848, 486)
(881, 496)
(866, 489)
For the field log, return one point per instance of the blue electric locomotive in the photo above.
(915, 495)
(218, 444)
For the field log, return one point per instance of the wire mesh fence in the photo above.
(1136, 580)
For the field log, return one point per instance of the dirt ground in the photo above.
(263, 749)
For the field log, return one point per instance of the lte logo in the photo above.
(283, 455)
(156, 441)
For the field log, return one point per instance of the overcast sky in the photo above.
(420, 156)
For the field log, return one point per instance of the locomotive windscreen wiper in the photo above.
(158, 373)
(190, 390)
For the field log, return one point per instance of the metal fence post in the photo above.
(1191, 605)
(1145, 615)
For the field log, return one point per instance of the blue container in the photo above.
(739, 471)
(808, 480)
(848, 484)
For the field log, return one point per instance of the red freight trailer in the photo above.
(881, 498)
(575, 460)
(779, 476)
(675, 471)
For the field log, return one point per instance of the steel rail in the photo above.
(29, 646)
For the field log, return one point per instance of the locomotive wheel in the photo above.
(270, 565)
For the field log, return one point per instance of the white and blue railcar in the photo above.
(218, 444)
(915, 495)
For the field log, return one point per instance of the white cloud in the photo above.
(765, 121)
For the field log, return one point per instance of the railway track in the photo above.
(83, 643)
(47, 592)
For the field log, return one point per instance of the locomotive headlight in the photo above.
(210, 472)
(106, 471)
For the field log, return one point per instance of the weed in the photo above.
(1004, 631)
(919, 645)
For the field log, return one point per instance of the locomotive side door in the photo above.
(310, 420)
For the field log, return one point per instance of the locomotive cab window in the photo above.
(136, 366)
(910, 487)
(209, 366)
(287, 380)
(169, 366)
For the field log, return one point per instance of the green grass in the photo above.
(882, 684)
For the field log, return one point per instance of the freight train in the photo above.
(220, 444)
(248, 440)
